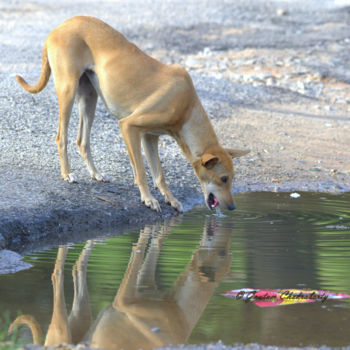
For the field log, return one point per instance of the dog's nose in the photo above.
(231, 207)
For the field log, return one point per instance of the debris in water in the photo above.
(295, 195)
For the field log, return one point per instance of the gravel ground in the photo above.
(273, 76)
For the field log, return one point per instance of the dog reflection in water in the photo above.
(64, 329)
(141, 316)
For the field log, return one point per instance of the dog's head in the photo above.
(214, 170)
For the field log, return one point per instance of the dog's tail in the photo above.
(32, 323)
(44, 76)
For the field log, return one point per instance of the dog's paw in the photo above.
(152, 203)
(175, 204)
(71, 178)
(101, 177)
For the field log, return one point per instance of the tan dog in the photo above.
(88, 59)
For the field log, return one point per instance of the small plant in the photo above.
(8, 341)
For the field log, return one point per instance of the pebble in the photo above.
(207, 51)
(270, 81)
(281, 12)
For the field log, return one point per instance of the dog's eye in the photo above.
(224, 179)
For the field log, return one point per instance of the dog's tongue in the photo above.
(216, 203)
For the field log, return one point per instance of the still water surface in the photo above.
(163, 284)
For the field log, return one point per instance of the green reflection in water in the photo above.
(275, 242)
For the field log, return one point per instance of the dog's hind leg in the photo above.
(65, 94)
(87, 99)
(59, 331)
(150, 146)
(66, 77)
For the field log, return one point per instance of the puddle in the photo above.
(164, 283)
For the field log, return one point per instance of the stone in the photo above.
(11, 262)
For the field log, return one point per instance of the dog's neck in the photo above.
(197, 134)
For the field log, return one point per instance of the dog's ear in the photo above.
(234, 153)
(208, 160)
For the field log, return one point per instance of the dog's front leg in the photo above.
(132, 138)
(150, 146)
(80, 317)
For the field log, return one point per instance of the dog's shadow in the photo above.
(141, 315)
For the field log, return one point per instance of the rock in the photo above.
(11, 262)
